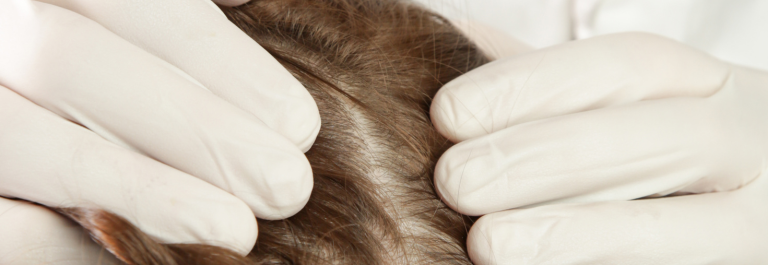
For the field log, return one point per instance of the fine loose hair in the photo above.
(373, 67)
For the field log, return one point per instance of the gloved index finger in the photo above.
(197, 39)
(573, 77)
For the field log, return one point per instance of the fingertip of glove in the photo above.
(300, 123)
(479, 242)
(498, 239)
(310, 128)
(284, 189)
(231, 225)
(245, 231)
(459, 113)
(441, 114)
(455, 185)
(443, 187)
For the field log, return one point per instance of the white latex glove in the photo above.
(186, 122)
(567, 136)
(32, 234)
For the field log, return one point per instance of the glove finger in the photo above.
(48, 160)
(82, 72)
(647, 148)
(33, 234)
(715, 228)
(197, 39)
(573, 77)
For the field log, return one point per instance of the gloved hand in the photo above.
(555, 145)
(162, 112)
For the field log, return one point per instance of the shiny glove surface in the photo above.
(556, 146)
(160, 111)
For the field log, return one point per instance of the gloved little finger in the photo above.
(573, 77)
(197, 39)
(84, 73)
(647, 148)
(51, 161)
(715, 228)
(32, 234)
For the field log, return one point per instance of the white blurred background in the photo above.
(732, 30)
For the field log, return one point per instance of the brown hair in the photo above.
(372, 67)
